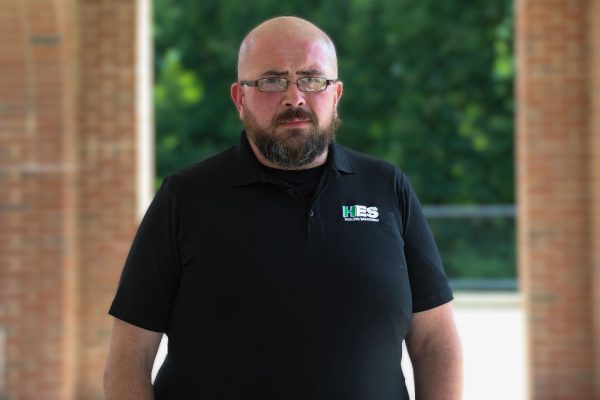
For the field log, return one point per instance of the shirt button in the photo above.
(290, 192)
(311, 213)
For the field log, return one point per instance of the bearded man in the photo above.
(287, 267)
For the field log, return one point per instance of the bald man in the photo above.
(287, 267)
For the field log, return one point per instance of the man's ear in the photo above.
(339, 90)
(237, 95)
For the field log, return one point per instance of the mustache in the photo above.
(295, 113)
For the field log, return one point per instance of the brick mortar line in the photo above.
(40, 168)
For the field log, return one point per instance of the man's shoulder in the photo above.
(367, 164)
(212, 169)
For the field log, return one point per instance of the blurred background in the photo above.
(484, 104)
(445, 117)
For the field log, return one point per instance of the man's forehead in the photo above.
(276, 56)
(287, 43)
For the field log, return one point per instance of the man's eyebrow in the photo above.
(304, 72)
(310, 72)
(273, 72)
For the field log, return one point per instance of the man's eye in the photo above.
(272, 80)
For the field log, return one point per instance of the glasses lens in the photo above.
(272, 84)
(312, 84)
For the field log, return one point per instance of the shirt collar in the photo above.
(245, 169)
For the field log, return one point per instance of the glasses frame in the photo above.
(287, 84)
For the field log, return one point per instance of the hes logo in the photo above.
(360, 213)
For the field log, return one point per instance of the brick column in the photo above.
(594, 47)
(37, 201)
(68, 188)
(107, 178)
(557, 164)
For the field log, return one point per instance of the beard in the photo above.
(295, 147)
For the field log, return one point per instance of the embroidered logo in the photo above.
(360, 213)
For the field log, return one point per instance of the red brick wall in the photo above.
(594, 48)
(107, 178)
(557, 164)
(36, 201)
(67, 188)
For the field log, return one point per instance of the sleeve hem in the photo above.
(434, 300)
(133, 321)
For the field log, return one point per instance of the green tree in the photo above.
(428, 86)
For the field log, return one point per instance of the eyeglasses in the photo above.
(276, 84)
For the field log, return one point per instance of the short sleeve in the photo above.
(152, 270)
(428, 281)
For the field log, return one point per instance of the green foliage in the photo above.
(428, 85)
(477, 247)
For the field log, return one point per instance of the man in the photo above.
(286, 267)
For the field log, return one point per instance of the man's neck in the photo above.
(318, 161)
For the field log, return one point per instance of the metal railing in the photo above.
(477, 243)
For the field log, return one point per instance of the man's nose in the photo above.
(293, 97)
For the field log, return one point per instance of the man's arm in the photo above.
(130, 359)
(436, 354)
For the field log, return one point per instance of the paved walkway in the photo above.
(491, 327)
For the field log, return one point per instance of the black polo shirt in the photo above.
(266, 295)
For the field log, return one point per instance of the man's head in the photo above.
(290, 128)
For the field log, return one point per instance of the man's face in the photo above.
(292, 127)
